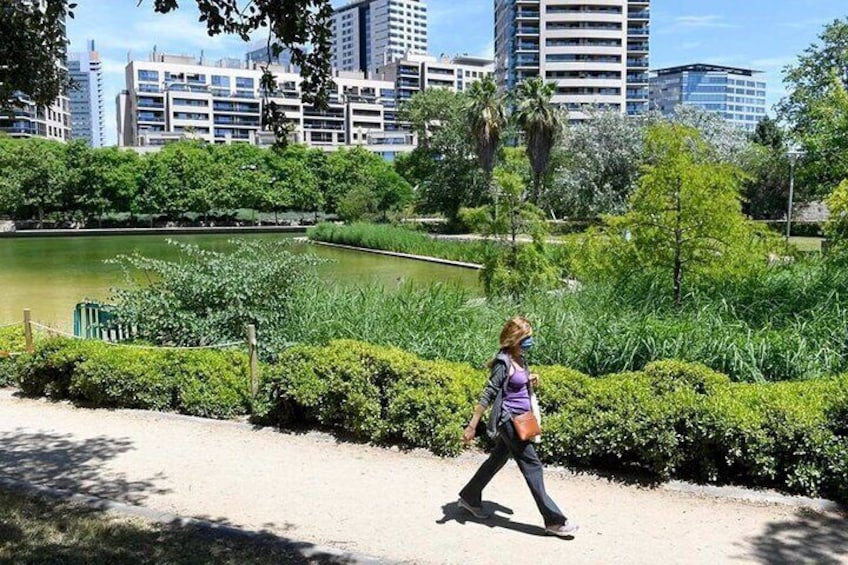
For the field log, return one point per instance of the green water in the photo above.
(51, 275)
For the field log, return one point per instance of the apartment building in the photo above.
(596, 52)
(29, 120)
(86, 98)
(739, 95)
(415, 72)
(173, 97)
(368, 34)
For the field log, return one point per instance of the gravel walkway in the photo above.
(391, 505)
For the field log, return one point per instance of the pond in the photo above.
(51, 275)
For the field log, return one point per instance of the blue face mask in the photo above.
(526, 343)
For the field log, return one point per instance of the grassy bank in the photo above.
(37, 530)
(672, 419)
(399, 240)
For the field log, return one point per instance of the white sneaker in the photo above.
(566, 530)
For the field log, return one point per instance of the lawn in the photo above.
(807, 243)
(37, 530)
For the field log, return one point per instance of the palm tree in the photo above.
(486, 115)
(541, 124)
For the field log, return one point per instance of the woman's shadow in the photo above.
(453, 513)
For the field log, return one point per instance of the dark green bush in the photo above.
(372, 393)
(203, 383)
(11, 341)
(122, 378)
(209, 383)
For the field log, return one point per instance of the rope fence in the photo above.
(54, 331)
(13, 324)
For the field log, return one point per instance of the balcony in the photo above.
(527, 30)
(639, 15)
(527, 46)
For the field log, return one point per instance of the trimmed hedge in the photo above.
(212, 384)
(11, 341)
(672, 419)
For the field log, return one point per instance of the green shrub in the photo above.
(203, 383)
(209, 383)
(49, 369)
(122, 378)
(372, 393)
(673, 419)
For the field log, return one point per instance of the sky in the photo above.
(762, 34)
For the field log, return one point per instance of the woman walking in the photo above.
(509, 392)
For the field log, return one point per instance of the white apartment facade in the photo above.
(595, 51)
(173, 97)
(368, 34)
(414, 73)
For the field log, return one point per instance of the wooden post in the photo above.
(253, 352)
(28, 329)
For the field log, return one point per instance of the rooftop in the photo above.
(706, 68)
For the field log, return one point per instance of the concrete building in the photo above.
(368, 34)
(596, 52)
(415, 72)
(173, 97)
(86, 98)
(260, 55)
(29, 120)
(739, 95)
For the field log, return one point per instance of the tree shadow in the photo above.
(39, 531)
(453, 513)
(64, 462)
(809, 537)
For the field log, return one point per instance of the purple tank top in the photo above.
(517, 397)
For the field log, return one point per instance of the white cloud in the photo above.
(680, 24)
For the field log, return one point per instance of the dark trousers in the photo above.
(506, 444)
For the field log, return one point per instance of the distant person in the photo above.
(510, 394)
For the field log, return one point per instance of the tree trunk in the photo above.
(40, 218)
(537, 187)
(276, 221)
(678, 250)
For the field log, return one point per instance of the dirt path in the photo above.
(396, 506)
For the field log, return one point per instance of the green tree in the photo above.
(486, 115)
(810, 79)
(100, 181)
(766, 191)
(442, 168)
(37, 172)
(540, 123)
(836, 227)
(364, 184)
(511, 268)
(429, 110)
(241, 175)
(306, 182)
(825, 140)
(601, 160)
(685, 217)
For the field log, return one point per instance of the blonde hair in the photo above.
(515, 329)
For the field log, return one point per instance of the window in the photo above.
(218, 80)
(244, 82)
(148, 75)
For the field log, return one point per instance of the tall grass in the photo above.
(788, 324)
(399, 240)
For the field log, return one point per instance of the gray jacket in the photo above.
(494, 392)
